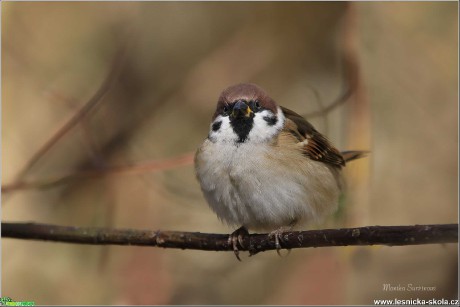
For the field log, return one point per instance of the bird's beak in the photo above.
(241, 109)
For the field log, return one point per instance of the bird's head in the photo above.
(245, 114)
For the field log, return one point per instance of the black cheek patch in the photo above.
(271, 120)
(216, 126)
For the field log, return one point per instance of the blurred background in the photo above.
(89, 88)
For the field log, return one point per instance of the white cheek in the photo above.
(225, 133)
(262, 131)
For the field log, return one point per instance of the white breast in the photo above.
(255, 187)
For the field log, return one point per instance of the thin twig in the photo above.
(350, 76)
(339, 101)
(371, 235)
(77, 117)
(321, 106)
(89, 106)
(141, 167)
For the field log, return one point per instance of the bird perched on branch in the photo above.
(264, 167)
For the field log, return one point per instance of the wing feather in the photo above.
(315, 145)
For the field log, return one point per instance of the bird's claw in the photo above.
(278, 236)
(237, 237)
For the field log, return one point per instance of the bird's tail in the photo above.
(351, 155)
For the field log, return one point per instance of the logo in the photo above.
(8, 301)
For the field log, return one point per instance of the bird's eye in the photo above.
(257, 104)
(225, 109)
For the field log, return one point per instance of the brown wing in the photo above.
(316, 147)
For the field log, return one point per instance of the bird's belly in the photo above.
(269, 199)
(245, 190)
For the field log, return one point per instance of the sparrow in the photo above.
(264, 167)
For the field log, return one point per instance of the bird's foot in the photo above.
(278, 235)
(237, 237)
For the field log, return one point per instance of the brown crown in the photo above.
(247, 92)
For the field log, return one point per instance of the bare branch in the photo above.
(89, 106)
(351, 73)
(84, 111)
(325, 110)
(135, 168)
(371, 235)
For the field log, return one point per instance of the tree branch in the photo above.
(91, 105)
(371, 235)
(135, 168)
